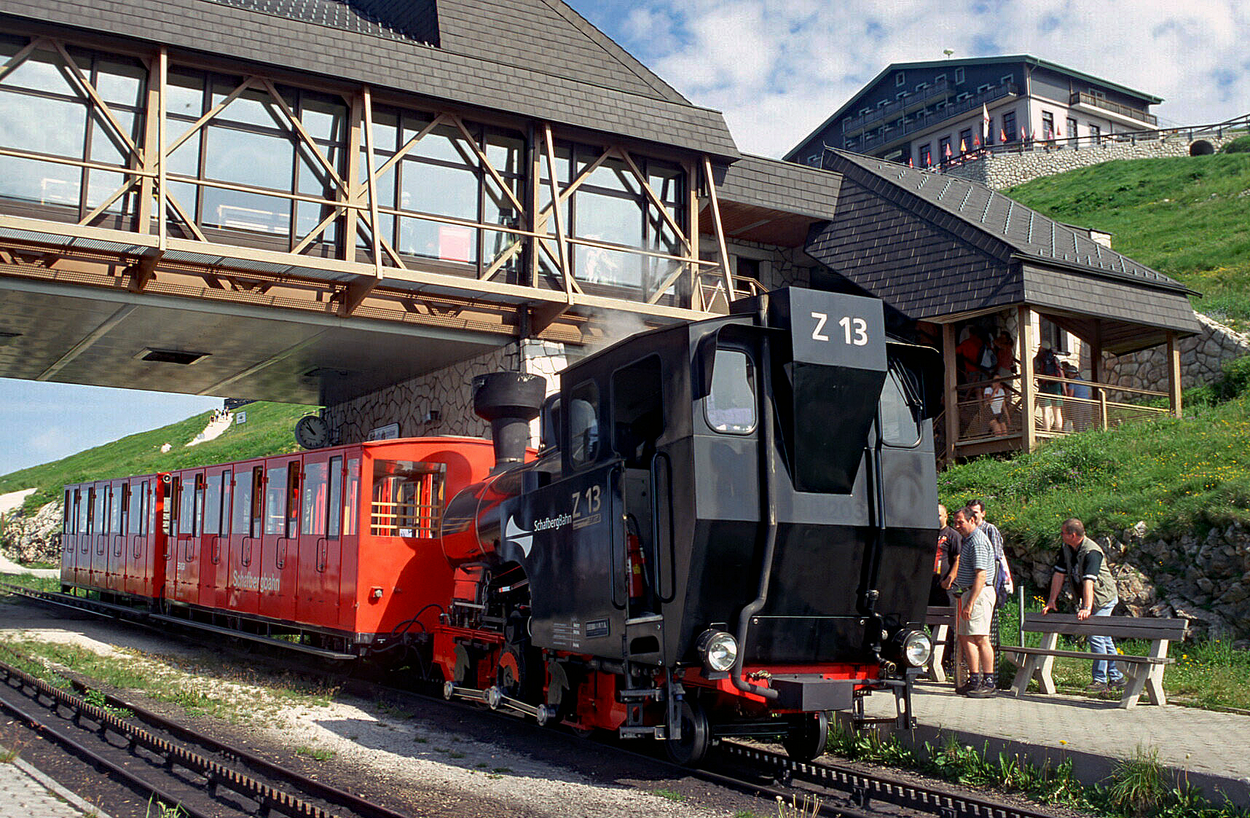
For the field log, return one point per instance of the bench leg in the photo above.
(1147, 677)
(939, 652)
(1023, 674)
(1135, 676)
(1044, 680)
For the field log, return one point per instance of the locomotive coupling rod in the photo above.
(497, 700)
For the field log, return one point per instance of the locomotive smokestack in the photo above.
(509, 400)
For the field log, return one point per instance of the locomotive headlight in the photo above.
(718, 650)
(917, 647)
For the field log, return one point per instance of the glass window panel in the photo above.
(667, 181)
(42, 125)
(505, 153)
(445, 143)
(106, 145)
(385, 132)
(499, 208)
(308, 216)
(441, 190)
(275, 500)
(184, 194)
(185, 160)
(385, 182)
(212, 505)
(663, 238)
(240, 522)
(608, 218)
(11, 45)
(612, 267)
(316, 484)
(40, 182)
(414, 123)
(115, 509)
(184, 96)
(351, 499)
(186, 507)
(584, 424)
(429, 239)
(613, 174)
(333, 500)
(730, 406)
(101, 185)
(247, 158)
(232, 210)
(42, 71)
(899, 426)
(494, 243)
(313, 176)
(120, 83)
(136, 508)
(323, 117)
(226, 483)
(252, 107)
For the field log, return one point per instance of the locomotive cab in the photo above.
(734, 532)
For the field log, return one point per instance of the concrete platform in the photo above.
(25, 791)
(1209, 750)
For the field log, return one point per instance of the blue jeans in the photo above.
(1104, 645)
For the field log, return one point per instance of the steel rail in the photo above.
(217, 775)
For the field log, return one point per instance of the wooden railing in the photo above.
(1055, 411)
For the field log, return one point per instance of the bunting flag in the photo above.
(909, 164)
(963, 146)
(1002, 136)
(985, 123)
(1024, 137)
(948, 151)
(976, 142)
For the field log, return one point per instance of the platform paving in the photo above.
(27, 792)
(1207, 749)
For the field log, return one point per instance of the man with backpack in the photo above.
(999, 577)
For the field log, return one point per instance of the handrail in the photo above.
(1082, 98)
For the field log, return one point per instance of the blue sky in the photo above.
(777, 69)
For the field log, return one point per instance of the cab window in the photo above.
(730, 406)
(584, 424)
(899, 426)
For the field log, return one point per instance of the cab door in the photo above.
(280, 541)
(99, 536)
(69, 534)
(119, 519)
(134, 550)
(215, 539)
(188, 521)
(246, 525)
(319, 539)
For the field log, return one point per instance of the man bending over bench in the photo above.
(1083, 562)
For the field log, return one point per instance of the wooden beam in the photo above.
(720, 229)
(375, 223)
(1174, 375)
(950, 391)
(162, 192)
(1028, 390)
(561, 243)
(542, 316)
(143, 270)
(692, 216)
(351, 296)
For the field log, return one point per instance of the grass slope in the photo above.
(1188, 217)
(268, 431)
(1177, 475)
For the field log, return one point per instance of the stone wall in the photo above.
(1202, 359)
(1203, 579)
(1003, 170)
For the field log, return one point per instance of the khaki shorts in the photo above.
(982, 612)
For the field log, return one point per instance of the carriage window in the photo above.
(336, 491)
(84, 511)
(275, 501)
(730, 406)
(187, 506)
(584, 424)
(292, 499)
(137, 491)
(226, 484)
(407, 498)
(241, 516)
(199, 505)
(314, 505)
(212, 505)
(145, 508)
(67, 512)
(899, 426)
(114, 509)
(351, 501)
(124, 506)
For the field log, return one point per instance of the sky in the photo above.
(777, 69)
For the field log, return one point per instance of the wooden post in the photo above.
(1095, 372)
(1028, 390)
(162, 75)
(1174, 375)
(355, 146)
(950, 363)
(690, 297)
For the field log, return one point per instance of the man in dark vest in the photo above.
(1083, 562)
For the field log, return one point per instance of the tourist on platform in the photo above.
(976, 605)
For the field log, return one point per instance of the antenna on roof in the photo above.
(948, 52)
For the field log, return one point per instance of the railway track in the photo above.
(167, 761)
(845, 790)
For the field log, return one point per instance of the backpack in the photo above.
(1002, 578)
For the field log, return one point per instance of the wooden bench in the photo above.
(940, 621)
(1140, 672)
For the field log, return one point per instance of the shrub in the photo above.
(1239, 145)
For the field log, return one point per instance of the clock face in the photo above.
(312, 432)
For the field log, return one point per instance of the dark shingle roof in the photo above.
(772, 183)
(936, 245)
(535, 58)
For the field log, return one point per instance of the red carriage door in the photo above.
(69, 538)
(247, 518)
(214, 560)
(115, 567)
(320, 516)
(280, 541)
(137, 571)
(100, 537)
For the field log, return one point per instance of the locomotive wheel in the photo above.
(696, 736)
(807, 739)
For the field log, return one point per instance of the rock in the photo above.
(34, 539)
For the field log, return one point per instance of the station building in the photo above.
(359, 204)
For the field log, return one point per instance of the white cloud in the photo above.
(779, 69)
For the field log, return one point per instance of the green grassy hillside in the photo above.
(1176, 475)
(1188, 217)
(269, 430)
